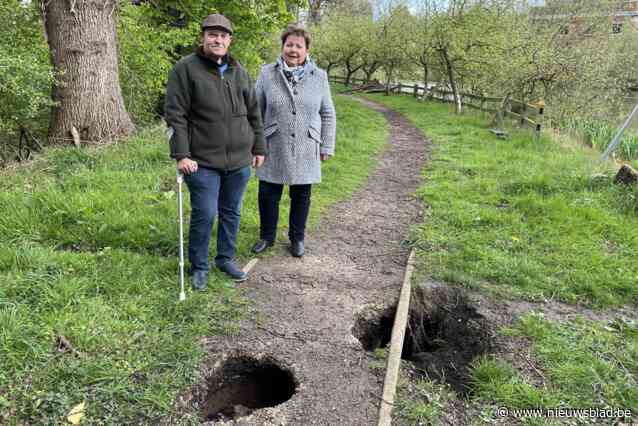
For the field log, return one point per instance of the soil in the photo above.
(304, 309)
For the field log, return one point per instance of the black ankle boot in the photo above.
(297, 248)
(261, 246)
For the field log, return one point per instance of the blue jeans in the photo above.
(214, 193)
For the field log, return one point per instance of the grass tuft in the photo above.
(584, 364)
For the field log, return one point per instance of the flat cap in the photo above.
(217, 20)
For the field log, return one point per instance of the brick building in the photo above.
(627, 13)
(621, 13)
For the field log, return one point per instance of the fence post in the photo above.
(524, 114)
(539, 119)
(416, 90)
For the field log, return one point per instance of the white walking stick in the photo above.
(180, 179)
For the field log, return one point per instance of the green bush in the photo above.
(146, 55)
(25, 73)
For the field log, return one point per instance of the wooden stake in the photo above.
(250, 265)
(396, 347)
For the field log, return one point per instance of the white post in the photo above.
(616, 140)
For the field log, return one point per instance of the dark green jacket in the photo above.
(215, 120)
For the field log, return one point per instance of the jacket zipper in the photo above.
(232, 98)
(228, 120)
(226, 162)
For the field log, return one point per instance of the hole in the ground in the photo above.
(244, 384)
(443, 336)
(373, 326)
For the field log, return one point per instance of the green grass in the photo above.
(522, 218)
(585, 364)
(422, 402)
(88, 243)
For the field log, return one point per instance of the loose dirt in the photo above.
(304, 309)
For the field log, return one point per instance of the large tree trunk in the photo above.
(83, 45)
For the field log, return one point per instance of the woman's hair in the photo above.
(296, 30)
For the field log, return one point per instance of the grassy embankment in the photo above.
(88, 256)
(538, 221)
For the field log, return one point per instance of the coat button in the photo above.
(292, 134)
(294, 112)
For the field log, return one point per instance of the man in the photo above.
(216, 135)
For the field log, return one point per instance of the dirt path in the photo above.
(304, 309)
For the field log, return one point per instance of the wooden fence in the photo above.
(525, 114)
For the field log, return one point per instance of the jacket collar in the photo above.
(231, 61)
(310, 66)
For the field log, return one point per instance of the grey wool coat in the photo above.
(298, 125)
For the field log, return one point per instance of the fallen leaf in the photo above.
(75, 415)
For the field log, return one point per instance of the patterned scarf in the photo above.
(294, 74)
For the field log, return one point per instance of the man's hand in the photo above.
(324, 157)
(258, 160)
(187, 166)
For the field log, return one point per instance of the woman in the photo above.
(299, 127)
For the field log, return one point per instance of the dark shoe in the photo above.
(233, 271)
(297, 249)
(199, 280)
(261, 246)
